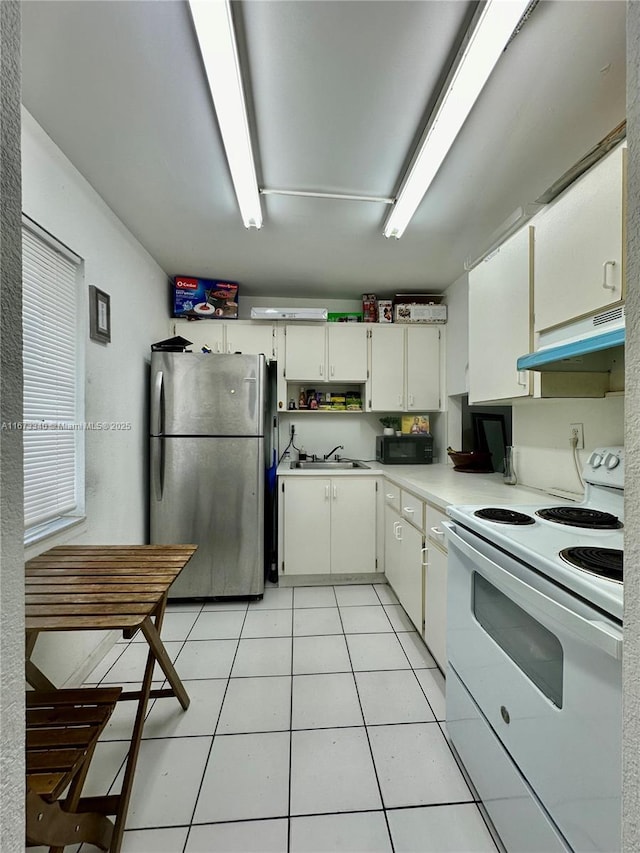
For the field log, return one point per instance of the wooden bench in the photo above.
(62, 729)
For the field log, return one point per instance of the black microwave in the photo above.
(404, 449)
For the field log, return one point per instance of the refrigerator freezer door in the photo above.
(201, 394)
(210, 491)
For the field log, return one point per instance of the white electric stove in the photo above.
(577, 545)
(534, 672)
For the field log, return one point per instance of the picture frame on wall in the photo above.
(99, 315)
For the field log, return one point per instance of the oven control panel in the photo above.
(605, 467)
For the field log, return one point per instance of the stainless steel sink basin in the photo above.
(321, 465)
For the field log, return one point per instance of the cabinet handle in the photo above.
(437, 532)
(604, 275)
(326, 493)
(522, 378)
(395, 528)
(335, 492)
(321, 369)
(399, 532)
(390, 497)
(229, 350)
(400, 400)
(408, 509)
(410, 399)
(424, 553)
(333, 370)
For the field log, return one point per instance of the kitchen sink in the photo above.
(321, 465)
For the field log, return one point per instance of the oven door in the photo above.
(544, 668)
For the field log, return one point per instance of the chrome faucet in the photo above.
(337, 447)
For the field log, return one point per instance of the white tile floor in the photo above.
(316, 725)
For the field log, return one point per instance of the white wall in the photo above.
(11, 562)
(543, 457)
(60, 200)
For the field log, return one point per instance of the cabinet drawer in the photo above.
(435, 530)
(412, 509)
(392, 496)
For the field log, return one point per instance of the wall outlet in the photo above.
(576, 431)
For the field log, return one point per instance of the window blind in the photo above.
(50, 382)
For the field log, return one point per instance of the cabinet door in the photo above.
(435, 605)
(386, 383)
(392, 546)
(500, 321)
(307, 525)
(305, 353)
(347, 352)
(251, 338)
(353, 525)
(578, 246)
(423, 369)
(201, 333)
(410, 586)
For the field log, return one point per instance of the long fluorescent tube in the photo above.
(214, 30)
(493, 30)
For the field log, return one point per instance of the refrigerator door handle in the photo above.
(157, 466)
(156, 404)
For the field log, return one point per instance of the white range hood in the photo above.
(577, 346)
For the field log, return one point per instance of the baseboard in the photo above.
(330, 580)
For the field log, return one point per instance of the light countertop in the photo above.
(439, 484)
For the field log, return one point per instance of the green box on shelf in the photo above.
(342, 317)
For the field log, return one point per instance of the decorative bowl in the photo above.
(472, 460)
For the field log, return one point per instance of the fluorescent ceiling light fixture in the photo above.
(216, 37)
(493, 29)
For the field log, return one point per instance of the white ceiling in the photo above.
(339, 91)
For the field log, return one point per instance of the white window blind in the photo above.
(50, 381)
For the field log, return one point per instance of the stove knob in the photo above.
(595, 460)
(611, 461)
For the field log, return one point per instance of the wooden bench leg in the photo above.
(49, 824)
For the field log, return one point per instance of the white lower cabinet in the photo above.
(435, 586)
(435, 604)
(328, 525)
(403, 563)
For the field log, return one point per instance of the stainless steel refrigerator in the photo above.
(207, 462)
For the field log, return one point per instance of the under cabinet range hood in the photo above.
(585, 345)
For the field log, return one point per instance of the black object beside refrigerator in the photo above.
(207, 461)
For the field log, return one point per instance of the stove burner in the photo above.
(603, 562)
(575, 516)
(504, 516)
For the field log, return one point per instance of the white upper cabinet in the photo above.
(347, 352)
(579, 246)
(228, 337)
(386, 392)
(201, 333)
(500, 293)
(405, 369)
(251, 338)
(326, 352)
(422, 391)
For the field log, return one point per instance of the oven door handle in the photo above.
(596, 633)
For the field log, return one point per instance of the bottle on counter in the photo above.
(508, 470)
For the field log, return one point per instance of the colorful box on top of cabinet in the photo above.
(204, 298)
(370, 307)
(414, 313)
(385, 311)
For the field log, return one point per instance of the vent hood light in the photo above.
(492, 32)
(564, 349)
(214, 29)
